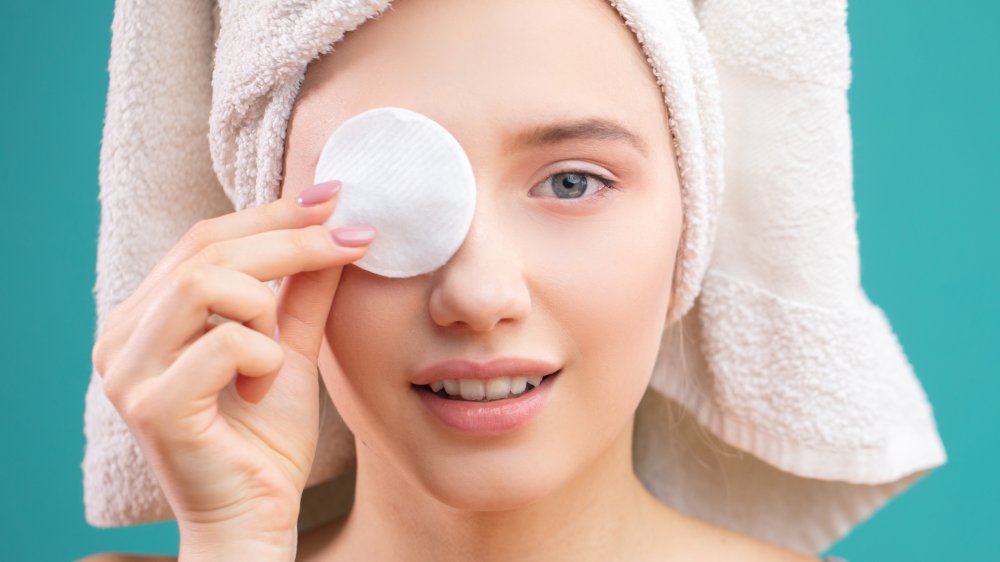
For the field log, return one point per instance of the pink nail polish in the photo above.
(353, 236)
(315, 194)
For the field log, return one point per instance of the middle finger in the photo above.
(276, 253)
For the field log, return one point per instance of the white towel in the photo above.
(787, 409)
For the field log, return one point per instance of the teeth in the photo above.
(497, 388)
(472, 389)
(518, 385)
(490, 389)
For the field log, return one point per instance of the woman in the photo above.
(569, 271)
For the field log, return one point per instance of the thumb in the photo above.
(304, 301)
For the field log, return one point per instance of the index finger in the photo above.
(283, 213)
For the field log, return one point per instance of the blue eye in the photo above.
(575, 184)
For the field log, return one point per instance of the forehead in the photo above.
(500, 66)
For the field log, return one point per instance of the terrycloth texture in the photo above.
(401, 171)
(781, 404)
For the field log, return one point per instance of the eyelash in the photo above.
(608, 184)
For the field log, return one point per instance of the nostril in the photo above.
(481, 295)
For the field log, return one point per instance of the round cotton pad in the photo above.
(408, 177)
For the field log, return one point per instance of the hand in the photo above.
(227, 417)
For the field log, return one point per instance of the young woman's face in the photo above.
(546, 98)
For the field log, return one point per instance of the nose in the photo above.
(483, 284)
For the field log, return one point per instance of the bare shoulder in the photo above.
(737, 546)
(706, 541)
(119, 557)
(725, 544)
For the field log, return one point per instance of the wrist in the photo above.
(224, 545)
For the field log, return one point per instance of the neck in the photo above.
(592, 517)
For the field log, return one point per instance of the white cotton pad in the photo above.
(408, 177)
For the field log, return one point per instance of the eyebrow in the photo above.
(586, 129)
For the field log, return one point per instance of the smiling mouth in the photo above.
(486, 390)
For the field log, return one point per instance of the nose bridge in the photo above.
(483, 284)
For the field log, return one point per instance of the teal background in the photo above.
(926, 119)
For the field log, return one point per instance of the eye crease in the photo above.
(573, 184)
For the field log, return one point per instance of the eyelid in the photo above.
(607, 182)
(581, 167)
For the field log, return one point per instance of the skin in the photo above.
(585, 283)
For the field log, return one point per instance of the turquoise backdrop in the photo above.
(925, 103)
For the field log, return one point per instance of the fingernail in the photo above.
(318, 193)
(277, 336)
(353, 236)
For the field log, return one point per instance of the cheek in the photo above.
(605, 280)
(370, 316)
(599, 285)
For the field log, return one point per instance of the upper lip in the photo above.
(493, 368)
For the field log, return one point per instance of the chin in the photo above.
(473, 487)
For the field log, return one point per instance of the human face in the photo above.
(548, 271)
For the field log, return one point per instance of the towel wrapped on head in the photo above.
(783, 406)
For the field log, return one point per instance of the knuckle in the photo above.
(115, 388)
(226, 338)
(198, 235)
(112, 390)
(141, 411)
(267, 303)
(210, 254)
(300, 240)
(310, 238)
(190, 278)
(98, 357)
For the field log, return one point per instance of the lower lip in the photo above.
(486, 418)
